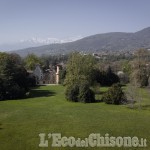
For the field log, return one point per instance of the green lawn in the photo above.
(47, 111)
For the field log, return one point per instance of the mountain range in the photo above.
(35, 42)
(113, 41)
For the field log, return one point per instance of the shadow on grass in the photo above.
(34, 93)
(146, 106)
(40, 93)
(98, 101)
(139, 107)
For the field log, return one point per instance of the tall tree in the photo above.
(31, 61)
(140, 67)
(80, 68)
(13, 77)
(79, 78)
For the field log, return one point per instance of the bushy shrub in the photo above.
(31, 81)
(86, 95)
(80, 93)
(114, 95)
(15, 92)
(72, 93)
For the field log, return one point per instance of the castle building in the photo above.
(49, 76)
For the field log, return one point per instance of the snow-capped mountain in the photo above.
(113, 41)
(35, 41)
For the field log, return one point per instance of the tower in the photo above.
(57, 75)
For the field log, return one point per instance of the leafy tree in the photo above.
(140, 77)
(111, 77)
(79, 68)
(140, 67)
(16, 58)
(79, 78)
(105, 78)
(127, 68)
(134, 94)
(13, 77)
(31, 61)
(53, 60)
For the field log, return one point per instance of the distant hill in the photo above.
(95, 43)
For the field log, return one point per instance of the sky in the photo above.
(24, 19)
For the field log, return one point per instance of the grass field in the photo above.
(47, 111)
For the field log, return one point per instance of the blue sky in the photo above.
(24, 19)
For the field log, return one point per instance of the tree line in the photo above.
(80, 75)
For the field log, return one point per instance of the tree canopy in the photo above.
(31, 61)
(80, 68)
(13, 77)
